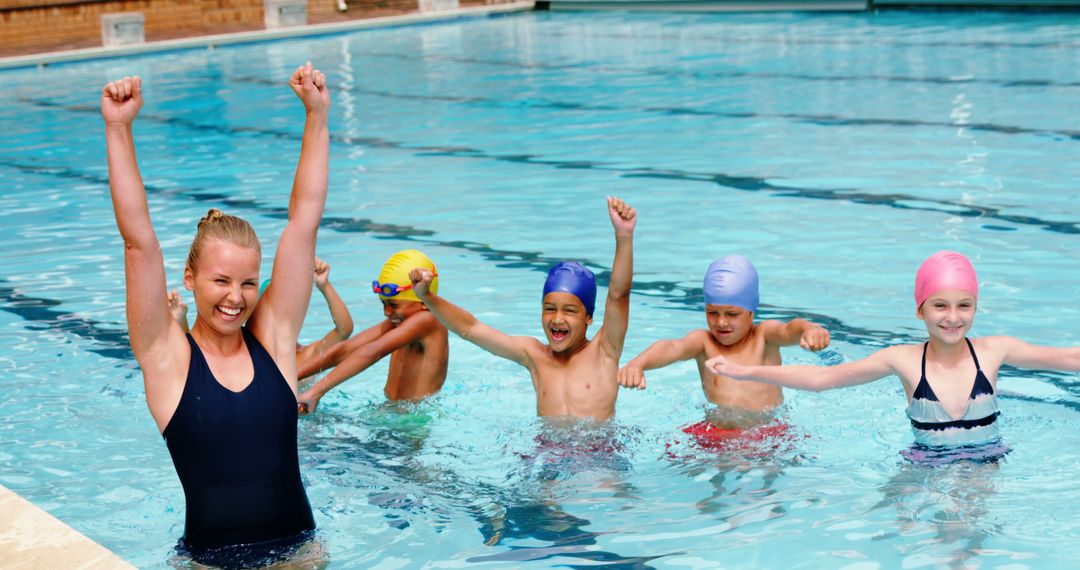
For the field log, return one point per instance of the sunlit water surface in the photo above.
(836, 151)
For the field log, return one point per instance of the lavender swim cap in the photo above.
(732, 280)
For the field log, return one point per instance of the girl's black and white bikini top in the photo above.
(934, 426)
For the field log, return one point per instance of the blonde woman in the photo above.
(224, 396)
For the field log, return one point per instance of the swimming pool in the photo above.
(836, 151)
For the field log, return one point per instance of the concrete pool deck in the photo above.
(32, 538)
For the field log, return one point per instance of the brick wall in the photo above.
(30, 26)
(326, 10)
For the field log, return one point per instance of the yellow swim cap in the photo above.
(395, 272)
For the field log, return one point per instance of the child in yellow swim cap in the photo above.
(412, 336)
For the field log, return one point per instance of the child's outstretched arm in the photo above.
(617, 307)
(363, 356)
(343, 323)
(280, 312)
(817, 378)
(331, 357)
(659, 355)
(806, 334)
(1024, 355)
(466, 326)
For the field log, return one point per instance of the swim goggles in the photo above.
(391, 289)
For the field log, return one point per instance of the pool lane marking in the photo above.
(844, 42)
(746, 183)
(116, 344)
(43, 314)
(689, 299)
(819, 119)
(689, 73)
(113, 343)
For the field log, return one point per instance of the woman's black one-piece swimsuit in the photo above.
(235, 453)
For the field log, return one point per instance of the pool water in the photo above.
(836, 151)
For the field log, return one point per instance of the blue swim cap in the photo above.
(574, 278)
(732, 280)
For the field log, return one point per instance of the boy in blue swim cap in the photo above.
(573, 376)
(414, 339)
(731, 301)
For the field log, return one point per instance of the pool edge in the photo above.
(32, 538)
(46, 58)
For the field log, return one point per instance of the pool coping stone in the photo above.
(32, 538)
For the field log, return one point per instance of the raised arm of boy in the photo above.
(343, 323)
(178, 309)
(468, 327)
(617, 307)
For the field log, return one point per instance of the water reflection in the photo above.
(376, 449)
(742, 464)
(948, 501)
(573, 462)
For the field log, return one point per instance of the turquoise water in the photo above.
(836, 151)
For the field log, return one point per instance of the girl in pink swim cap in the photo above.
(950, 380)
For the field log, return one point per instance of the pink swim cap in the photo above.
(945, 270)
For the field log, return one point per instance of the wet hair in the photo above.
(217, 225)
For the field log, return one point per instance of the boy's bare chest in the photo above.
(585, 376)
(408, 358)
(752, 352)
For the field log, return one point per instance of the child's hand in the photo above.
(421, 281)
(177, 307)
(815, 338)
(632, 377)
(623, 217)
(309, 84)
(322, 273)
(121, 100)
(308, 402)
(722, 367)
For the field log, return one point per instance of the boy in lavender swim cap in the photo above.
(573, 376)
(731, 300)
